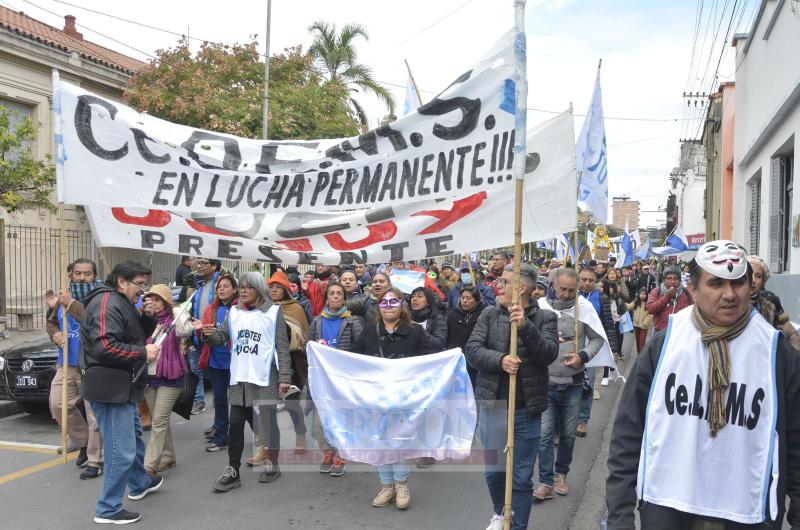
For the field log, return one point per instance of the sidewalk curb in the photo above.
(9, 408)
(592, 512)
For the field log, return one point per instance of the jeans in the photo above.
(295, 410)
(124, 455)
(586, 401)
(194, 361)
(220, 381)
(561, 416)
(493, 428)
(391, 473)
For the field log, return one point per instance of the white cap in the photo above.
(722, 258)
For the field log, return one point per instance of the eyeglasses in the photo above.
(387, 303)
(245, 288)
(201, 263)
(140, 285)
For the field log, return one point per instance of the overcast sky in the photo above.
(646, 47)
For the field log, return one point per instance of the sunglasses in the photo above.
(387, 303)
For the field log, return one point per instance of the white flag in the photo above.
(590, 157)
(381, 411)
(411, 103)
(588, 316)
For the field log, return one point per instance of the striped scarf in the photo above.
(719, 363)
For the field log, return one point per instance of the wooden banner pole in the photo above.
(64, 331)
(520, 152)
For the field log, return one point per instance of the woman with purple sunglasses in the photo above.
(393, 336)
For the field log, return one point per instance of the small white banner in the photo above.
(381, 411)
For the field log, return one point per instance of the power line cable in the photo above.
(426, 28)
(723, 51)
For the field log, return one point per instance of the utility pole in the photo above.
(266, 73)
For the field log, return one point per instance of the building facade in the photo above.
(688, 185)
(718, 141)
(624, 211)
(765, 206)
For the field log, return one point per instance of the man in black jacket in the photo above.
(113, 362)
(709, 452)
(487, 350)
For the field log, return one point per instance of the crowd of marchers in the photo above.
(137, 353)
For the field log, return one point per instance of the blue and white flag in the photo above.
(626, 248)
(406, 280)
(563, 246)
(546, 244)
(678, 240)
(645, 250)
(411, 103)
(625, 323)
(381, 411)
(591, 158)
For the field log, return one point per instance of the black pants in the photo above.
(238, 416)
(655, 517)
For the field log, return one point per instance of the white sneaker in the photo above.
(604, 382)
(496, 523)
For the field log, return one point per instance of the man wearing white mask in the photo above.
(707, 433)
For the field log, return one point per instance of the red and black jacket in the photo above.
(113, 336)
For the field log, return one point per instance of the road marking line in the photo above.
(30, 447)
(38, 467)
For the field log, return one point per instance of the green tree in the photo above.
(221, 89)
(336, 54)
(25, 182)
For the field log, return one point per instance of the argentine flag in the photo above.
(678, 240)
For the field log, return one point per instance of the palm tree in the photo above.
(337, 58)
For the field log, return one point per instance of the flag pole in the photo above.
(59, 152)
(265, 109)
(520, 152)
(413, 82)
(64, 332)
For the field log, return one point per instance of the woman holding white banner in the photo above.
(338, 328)
(393, 336)
(260, 372)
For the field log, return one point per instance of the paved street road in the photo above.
(33, 495)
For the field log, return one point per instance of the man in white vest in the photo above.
(707, 433)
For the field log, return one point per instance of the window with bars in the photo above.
(781, 191)
(755, 212)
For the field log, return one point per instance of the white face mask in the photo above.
(722, 258)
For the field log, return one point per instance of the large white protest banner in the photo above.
(460, 142)
(381, 411)
(401, 231)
